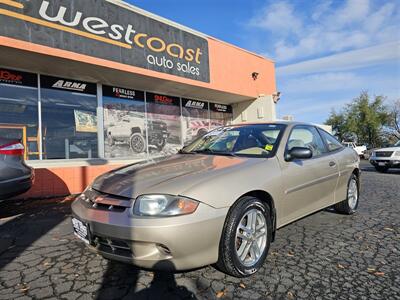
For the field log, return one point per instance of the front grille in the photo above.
(383, 153)
(103, 206)
(158, 126)
(113, 246)
(102, 201)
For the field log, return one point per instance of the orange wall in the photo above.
(62, 181)
(230, 67)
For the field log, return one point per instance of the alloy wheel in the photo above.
(137, 143)
(352, 194)
(251, 237)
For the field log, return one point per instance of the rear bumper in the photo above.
(14, 187)
(382, 162)
(173, 243)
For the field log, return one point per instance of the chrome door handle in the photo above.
(332, 164)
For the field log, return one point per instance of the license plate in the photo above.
(81, 230)
(381, 164)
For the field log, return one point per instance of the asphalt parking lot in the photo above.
(323, 256)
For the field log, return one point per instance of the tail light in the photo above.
(14, 148)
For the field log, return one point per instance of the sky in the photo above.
(326, 52)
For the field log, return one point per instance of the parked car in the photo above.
(361, 149)
(132, 130)
(219, 200)
(15, 176)
(385, 158)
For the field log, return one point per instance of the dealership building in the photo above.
(90, 85)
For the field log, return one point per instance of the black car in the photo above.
(15, 176)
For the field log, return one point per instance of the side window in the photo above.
(332, 143)
(306, 136)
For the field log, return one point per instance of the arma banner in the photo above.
(102, 29)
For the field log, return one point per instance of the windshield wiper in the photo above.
(209, 151)
(181, 151)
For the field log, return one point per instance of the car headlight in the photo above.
(397, 153)
(164, 205)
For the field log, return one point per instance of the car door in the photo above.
(309, 184)
(345, 161)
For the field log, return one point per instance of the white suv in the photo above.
(385, 158)
(359, 149)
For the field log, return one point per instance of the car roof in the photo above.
(283, 122)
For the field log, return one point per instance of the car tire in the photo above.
(349, 206)
(236, 241)
(381, 169)
(201, 132)
(160, 144)
(137, 142)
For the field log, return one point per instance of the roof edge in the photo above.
(180, 26)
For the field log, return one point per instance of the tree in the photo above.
(393, 128)
(337, 121)
(362, 120)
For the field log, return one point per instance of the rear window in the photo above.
(332, 143)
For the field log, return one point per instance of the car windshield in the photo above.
(397, 144)
(255, 140)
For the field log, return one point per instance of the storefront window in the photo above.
(195, 119)
(69, 121)
(124, 123)
(19, 109)
(164, 124)
(220, 115)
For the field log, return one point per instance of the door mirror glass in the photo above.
(298, 153)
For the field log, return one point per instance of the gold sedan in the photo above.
(220, 200)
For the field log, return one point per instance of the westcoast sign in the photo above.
(103, 29)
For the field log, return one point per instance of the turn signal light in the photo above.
(15, 148)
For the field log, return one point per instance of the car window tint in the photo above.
(332, 143)
(254, 140)
(306, 136)
(271, 135)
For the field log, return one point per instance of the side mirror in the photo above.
(298, 153)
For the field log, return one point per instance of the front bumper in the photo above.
(172, 243)
(385, 162)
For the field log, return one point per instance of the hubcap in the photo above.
(137, 144)
(352, 194)
(251, 237)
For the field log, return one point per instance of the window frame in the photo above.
(274, 149)
(319, 134)
(320, 131)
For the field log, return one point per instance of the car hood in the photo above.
(388, 149)
(173, 175)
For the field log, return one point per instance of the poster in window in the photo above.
(195, 119)
(85, 121)
(220, 115)
(164, 124)
(124, 123)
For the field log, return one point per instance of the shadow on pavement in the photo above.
(24, 222)
(162, 286)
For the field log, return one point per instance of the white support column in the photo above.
(100, 122)
(40, 146)
(262, 109)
